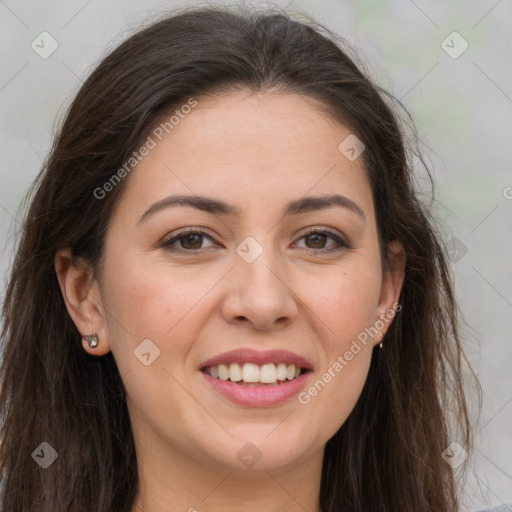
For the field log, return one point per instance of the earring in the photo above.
(92, 340)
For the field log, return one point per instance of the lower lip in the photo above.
(264, 396)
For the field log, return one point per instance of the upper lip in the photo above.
(247, 355)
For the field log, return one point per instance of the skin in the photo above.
(257, 152)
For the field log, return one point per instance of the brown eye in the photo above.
(191, 240)
(316, 241)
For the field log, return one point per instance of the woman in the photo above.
(228, 293)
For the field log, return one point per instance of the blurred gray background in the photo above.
(450, 62)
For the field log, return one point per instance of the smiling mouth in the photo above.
(254, 375)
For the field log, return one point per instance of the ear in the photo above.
(82, 298)
(391, 287)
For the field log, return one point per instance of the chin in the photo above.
(260, 449)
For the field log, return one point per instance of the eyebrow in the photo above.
(217, 207)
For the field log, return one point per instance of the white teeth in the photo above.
(223, 372)
(235, 372)
(281, 371)
(268, 373)
(252, 373)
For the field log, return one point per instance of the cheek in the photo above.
(154, 302)
(148, 302)
(332, 396)
(346, 301)
(346, 305)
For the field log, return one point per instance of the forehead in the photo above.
(254, 149)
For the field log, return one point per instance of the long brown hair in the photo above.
(388, 455)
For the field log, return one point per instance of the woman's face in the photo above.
(248, 279)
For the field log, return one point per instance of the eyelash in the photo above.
(342, 245)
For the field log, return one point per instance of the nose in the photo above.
(260, 294)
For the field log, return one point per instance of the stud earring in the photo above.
(92, 340)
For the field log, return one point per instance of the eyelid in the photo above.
(334, 234)
(340, 239)
(184, 232)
